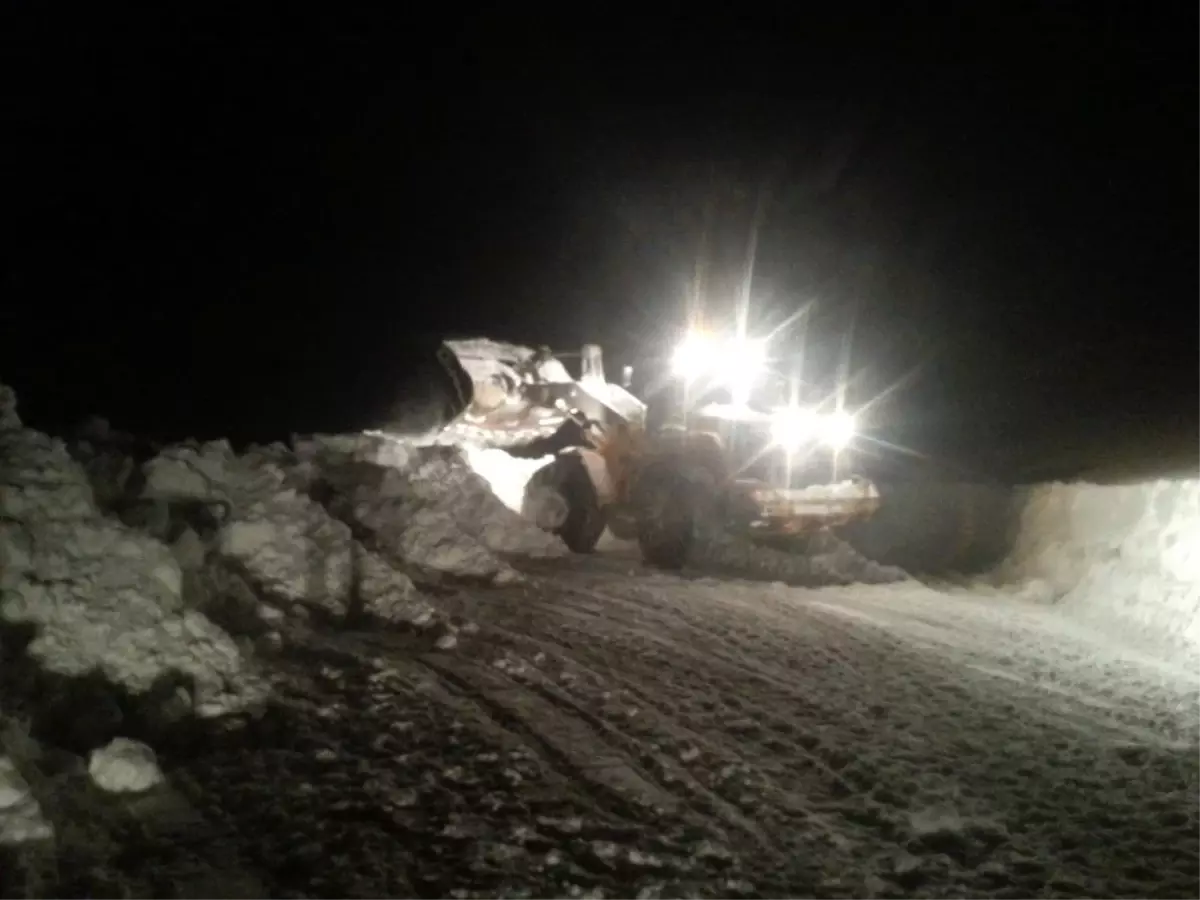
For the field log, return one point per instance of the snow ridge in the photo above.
(1123, 558)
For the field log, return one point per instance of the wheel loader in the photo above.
(699, 468)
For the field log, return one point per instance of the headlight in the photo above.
(793, 426)
(741, 364)
(736, 363)
(693, 357)
(838, 429)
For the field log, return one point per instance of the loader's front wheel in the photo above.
(585, 519)
(666, 516)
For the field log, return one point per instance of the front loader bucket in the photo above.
(780, 511)
(508, 395)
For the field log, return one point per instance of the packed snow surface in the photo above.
(604, 730)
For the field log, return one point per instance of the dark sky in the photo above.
(249, 227)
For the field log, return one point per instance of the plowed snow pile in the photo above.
(141, 595)
(1122, 558)
(97, 595)
(426, 504)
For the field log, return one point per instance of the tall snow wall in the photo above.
(1125, 558)
(1122, 557)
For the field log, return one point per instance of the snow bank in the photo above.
(98, 596)
(1121, 557)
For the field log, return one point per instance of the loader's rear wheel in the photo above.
(585, 519)
(666, 516)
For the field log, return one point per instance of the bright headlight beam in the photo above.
(737, 363)
(838, 429)
(791, 427)
(743, 362)
(693, 357)
(744, 359)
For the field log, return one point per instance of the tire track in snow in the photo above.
(393, 774)
(675, 743)
(788, 793)
(995, 744)
(873, 761)
(1116, 700)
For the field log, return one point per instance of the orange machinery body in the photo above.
(512, 395)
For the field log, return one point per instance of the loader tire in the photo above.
(586, 519)
(666, 517)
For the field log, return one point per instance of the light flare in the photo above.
(793, 426)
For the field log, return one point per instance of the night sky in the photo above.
(253, 227)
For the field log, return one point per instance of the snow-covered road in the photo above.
(363, 674)
(606, 729)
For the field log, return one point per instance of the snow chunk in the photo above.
(395, 509)
(132, 640)
(210, 473)
(285, 543)
(124, 767)
(434, 541)
(39, 480)
(376, 472)
(444, 481)
(293, 550)
(387, 593)
(105, 555)
(21, 819)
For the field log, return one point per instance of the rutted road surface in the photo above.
(606, 730)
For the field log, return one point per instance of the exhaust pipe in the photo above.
(591, 363)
